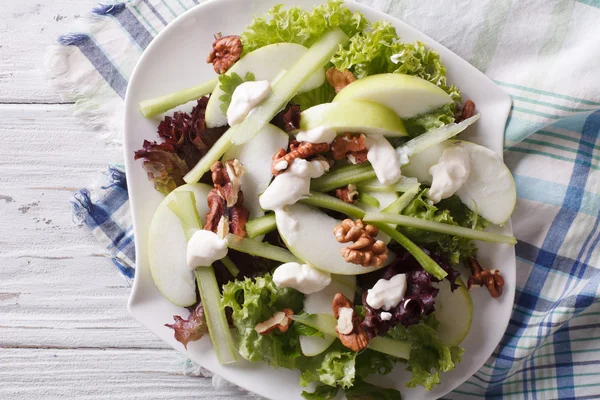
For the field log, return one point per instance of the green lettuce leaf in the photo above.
(422, 123)
(228, 83)
(323, 94)
(370, 52)
(361, 390)
(429, 356)
(322, 392)
(449, 211)
(296, 25)
(256, 300)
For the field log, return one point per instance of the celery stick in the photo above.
(369, 200)
(214, 154)
(327, 323)
(161, 104)
(260, 249)
(431, 138)
(261, 226)
(218, 327)
(230, 265)
(422, 258)
(401, 202)
(283, 90)
(288, 85)
(317, 199)
(184, 207)
(440, 227)
(342, 176)
(373, 185)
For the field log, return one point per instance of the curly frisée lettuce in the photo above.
(296, 25)
(449, 211)
(429, 356)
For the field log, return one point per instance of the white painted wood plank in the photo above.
(103, 374)
(27, 29)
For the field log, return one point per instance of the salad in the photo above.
(319, 206)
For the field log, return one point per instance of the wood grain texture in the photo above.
(27, 29)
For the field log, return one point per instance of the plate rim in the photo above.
(503, 111)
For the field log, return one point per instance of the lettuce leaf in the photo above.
(370, 52)
(450, 211)
(323, 94)
(436, 119)
(429, 356)
(256, 300)
(296, 25)
(361, 390)
(228, 83)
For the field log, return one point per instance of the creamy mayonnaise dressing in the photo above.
(385, 316)
(302, 277)
(204, 248)
(320, 134)
(387, 294)
(384, 159)
(292, 185)
(450, 173)
(245, 97)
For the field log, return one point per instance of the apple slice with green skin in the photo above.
(353, 116)
(308, 234)
(320, 303)
(454, 311)
(266, 63)
(167, 249)
(256, 156)
(407, 95)
(490, 188)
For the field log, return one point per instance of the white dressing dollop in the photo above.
(245, 97)
(450, 173)
(385, 316)
(302, 277)
(387, 294)
(292, 185)
(204, 248)
(320, 134)
(384, 159)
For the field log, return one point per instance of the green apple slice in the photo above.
(308, 234)
(353, 116)
(454, 311)
(167, 249)
(266, 63)
(320, 303)
(256, 156)
(407, 95)
(490, 189)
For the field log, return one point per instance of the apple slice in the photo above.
(454, 311)
(353, 116)
(167, 249)
(320, 303)
(256, 156)
(266, 63)
(490, 189)
(407, 95)
(308, 234)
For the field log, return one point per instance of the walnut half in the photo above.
(226, 50)
(483, 277)
(349, 329)
(366, 250)
(352, 147)
(281, 321)
(282, 159)
(339, 79)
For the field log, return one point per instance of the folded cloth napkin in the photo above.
(544, 53)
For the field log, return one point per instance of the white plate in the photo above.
(175, 60)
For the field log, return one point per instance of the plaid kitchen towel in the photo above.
(545, 54)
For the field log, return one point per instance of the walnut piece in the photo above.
(339, 79)
(282, 159)
(226, 50)
(281, 321)
(352, 147)
(349, 329)
(483, 277)
(349, 194)
(227, 213)
(467, 112)
(366, 250)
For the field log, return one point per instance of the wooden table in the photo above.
(64, 328)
